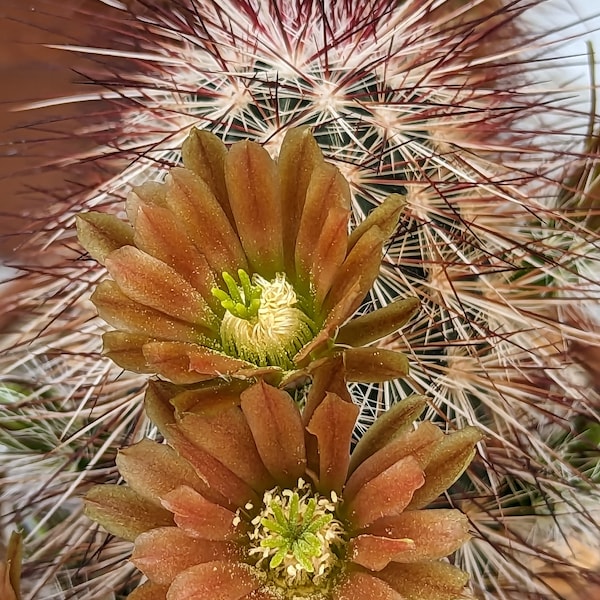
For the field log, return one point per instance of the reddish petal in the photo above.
(197, 516)
(162, 554)
(277, 430)
(417, 443)
(218, 580)
(149, 591)
(157, 405)
(225, 434)
(153, 470)
(125, 350)
(387, 494)
(253, 187)
(436, 533)
(151, 193)
(363, 586)
(332, 423)
(375, 553)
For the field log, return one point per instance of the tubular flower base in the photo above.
(250, 498)
(239, 265)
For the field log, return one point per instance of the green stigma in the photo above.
(262, 323)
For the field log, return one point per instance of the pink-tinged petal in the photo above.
(222, 485)
(359, 585)
(253, 188)
(149, 591)
(123, 512)
(436, 533)
(210, 397)
(298, 157)
(375, 553)
(332, 423)
(386, 495)
(100, 234)
(162, 554)
(125, 314)
(158, 233)
(225, 434)
(125, 350)
(277, 430)
(151, 193)
(197, 516)
(392, 424)
(418, 443)
(204, 154)
(153, 283)
(204, 221)
(426, 581)
(374, 365)
(323, 231)
(377, 324)
(217, 580)
(452, 455)
(184, 363)
(153, 470)
(384, 217)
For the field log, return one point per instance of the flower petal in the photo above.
(197, 516)
(426, 581)
(157, 406)
(151, 193)
(384, 217)
(333, 423)
(204, 154)
(375, 553)
(149, 591)
(452, 455)
(359, 585)
(101, 233)
(277, 430)
(125, 350)
(123, 512)
(374, 365)
(377, 324)
(204, 221)
(153, 470)
(162, 554)
(436, 533)
(217, 580)
(417, 443)
(387, 494)
(225, 434)
(391, 424)
(153, 283)
(253, 187)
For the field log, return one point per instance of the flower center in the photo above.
(297, 540)
(262, 323)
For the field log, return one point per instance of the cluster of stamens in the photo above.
(296, 538)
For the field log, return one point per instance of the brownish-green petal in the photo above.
(222, 580)
(100, 234)
(158, 407)
(277, 430)
(125, 314)
(149, 591)
(388, 494)
(298, 157)
(332, 423)
(452, 455)
(358, 585)
(418, 443)
(10, 568)
(125, 350)
(375, 325)
(375, 552)
(225, 434)
(393, 423)
(204, 154)
(153, 283)
(426, 581)
(198, 517)
(151, 193)
(436, 533)
(253, 187)
(204, 221)
(161, 554)
(374, 365)
(123, 512)
(153, 470)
